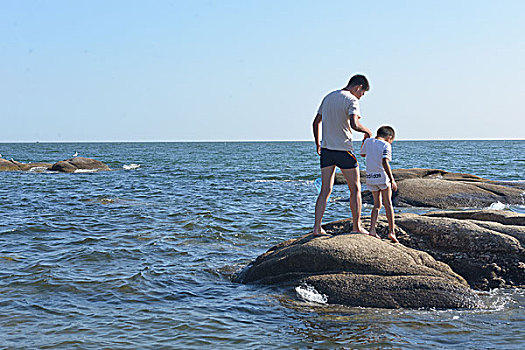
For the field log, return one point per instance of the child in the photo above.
(379, 178)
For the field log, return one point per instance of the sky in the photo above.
(257, 70)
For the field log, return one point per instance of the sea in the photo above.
(141, 257)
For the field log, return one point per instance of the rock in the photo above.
(78, 163)
(359, 270)
(441, 189)
(485, 247)
(12, 165)
(69, 165)
(441, 193)
(7, 165)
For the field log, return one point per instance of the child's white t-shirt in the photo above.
(375, 150)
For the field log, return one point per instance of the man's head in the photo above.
(386, 133)
(358, 85)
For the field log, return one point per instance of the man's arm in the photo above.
(315, 125)
(386, 166)
(357, 126)
(362, 150)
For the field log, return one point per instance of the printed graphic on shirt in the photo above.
(375, 151)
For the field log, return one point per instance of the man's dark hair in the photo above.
(386, 131)
(359, 79)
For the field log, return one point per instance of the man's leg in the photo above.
(327, 178)
(354, 184)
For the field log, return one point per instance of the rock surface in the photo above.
(441, 189)
(486, 247)
(13, 165)
(359, 270)
(78, 163)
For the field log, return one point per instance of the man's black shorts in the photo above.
(341, 159)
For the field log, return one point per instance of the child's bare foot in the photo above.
(321, 232)
(392, 237)
(373, 233)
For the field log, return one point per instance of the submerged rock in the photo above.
(359, 270)
(441, 189)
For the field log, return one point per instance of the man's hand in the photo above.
(318, 149)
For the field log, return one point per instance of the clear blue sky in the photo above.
(257, 70)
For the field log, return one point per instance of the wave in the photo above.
(497, 206)
(283, 180)
(38, 169)
(131, 166)
(86, 170)
(308, 293)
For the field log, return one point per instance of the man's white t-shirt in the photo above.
(336, 109)
(375, 150)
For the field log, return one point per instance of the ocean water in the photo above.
(141, 257)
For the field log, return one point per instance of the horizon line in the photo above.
(211, 141)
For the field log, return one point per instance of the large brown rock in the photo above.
(441, 189)
(78, 163)
(359, 270)
(486, 247)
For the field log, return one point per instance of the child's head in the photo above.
(387, 133)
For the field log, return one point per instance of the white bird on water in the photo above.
(76, 154)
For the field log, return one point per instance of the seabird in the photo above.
(76, 154)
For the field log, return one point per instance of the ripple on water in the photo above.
(143, 258)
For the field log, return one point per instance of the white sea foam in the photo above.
(277, 180)
(308, 293)
(500, 299)
(86, 170)
(132, 166)
(38, 169)
(497, 206)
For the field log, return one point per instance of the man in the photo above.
(339, 113)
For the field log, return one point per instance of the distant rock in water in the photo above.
(441, 189)
(68, 166)
(360, 270)
(12, 165)
(78, 163)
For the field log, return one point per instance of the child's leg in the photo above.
(375, 213)
(389, 209)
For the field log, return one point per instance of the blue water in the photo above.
(142, 258)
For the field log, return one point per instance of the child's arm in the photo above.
(386, 166)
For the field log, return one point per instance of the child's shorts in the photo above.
(378, 187)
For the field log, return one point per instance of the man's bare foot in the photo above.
(320, 232)
(361, 230)
(373, 233)
(392, 237)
